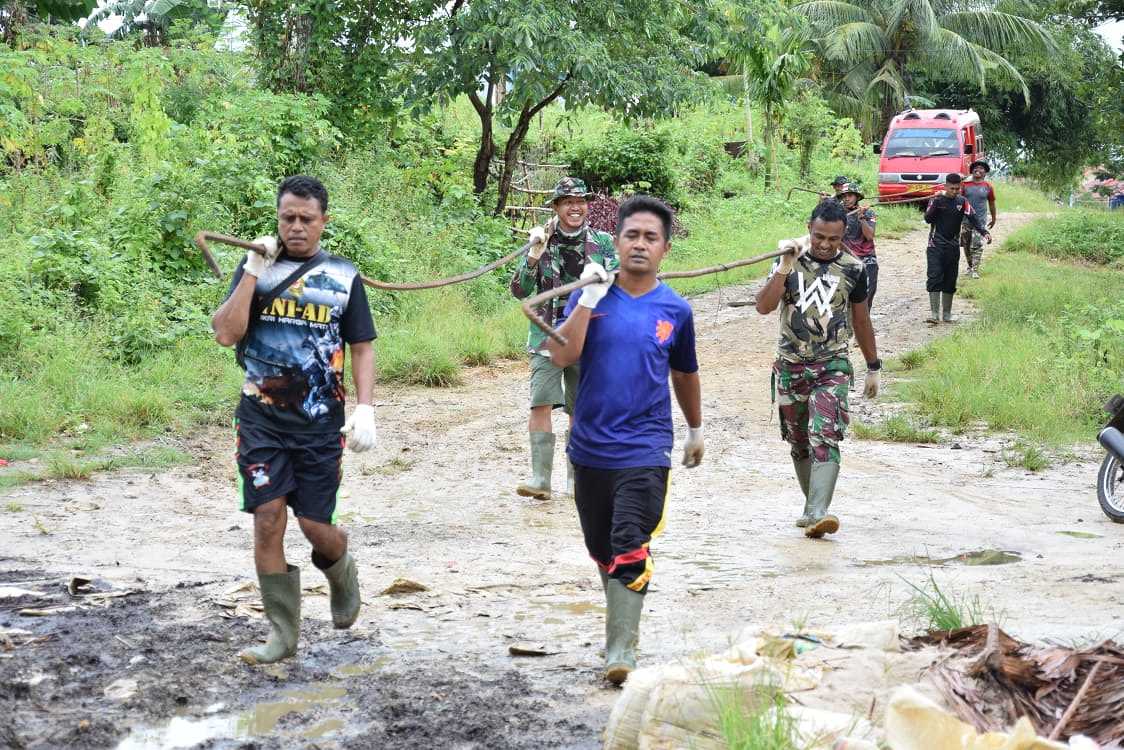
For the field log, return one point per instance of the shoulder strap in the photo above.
(302, 269)
(267, 300)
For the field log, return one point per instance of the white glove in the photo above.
(594, 293)
(538, 243)
(870, 385)
(795, 248)
(693, 450)
(361, 428)
(256, 264)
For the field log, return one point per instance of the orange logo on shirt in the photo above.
(663, 330)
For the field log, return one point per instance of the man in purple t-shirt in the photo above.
(630, 334)
(858, 237)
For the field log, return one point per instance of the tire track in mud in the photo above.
(435, 503)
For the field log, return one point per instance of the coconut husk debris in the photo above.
(990, 679)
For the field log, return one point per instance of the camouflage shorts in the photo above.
(812, 401)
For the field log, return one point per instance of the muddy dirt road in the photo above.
(434, 504)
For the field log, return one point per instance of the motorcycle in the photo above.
(1110, 480)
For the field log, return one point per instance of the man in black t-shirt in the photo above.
(290, 420)
(945, 214)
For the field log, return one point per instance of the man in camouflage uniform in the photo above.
(558, 255)
(858, 238)
(980, 193)
(821, 292)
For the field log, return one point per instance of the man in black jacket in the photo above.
(945, 214)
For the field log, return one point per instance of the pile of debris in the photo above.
(864, 687)
(990, 680)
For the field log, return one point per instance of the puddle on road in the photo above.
(1080, 534)
(262, 719)
(979, 557)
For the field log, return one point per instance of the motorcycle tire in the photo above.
(1110, 488)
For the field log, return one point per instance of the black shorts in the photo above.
(304, 467)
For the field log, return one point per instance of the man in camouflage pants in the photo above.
(981, 195)
(821, 292)
(558, 255)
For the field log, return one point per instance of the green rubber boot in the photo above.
(281, 595)
(821, 488)
(946, 308)
(343, 585)
(803, 468)
(542, 465)
(934, 308)
(622, 630)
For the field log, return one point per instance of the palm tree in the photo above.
(152, 17)
(869, 47)
(770, 55)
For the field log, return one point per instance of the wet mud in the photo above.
(134, 674)
(434, 504)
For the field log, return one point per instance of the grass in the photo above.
(442, 334)
(1029, 457)
(1041, 360)
(756, 720)
(1080, 234)
(64, 465)
(1019, 197)
(933, 608)
(14, 507)
(896, 429)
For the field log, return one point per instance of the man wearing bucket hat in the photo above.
(558, 255)
(858, 237)
(981, 195)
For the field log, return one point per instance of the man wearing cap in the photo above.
(979, 192)
(558, 255)
(837, 186)
(858, 237)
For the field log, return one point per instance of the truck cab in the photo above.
(922, 147)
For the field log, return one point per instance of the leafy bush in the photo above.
(626, 159)
(1094, 236)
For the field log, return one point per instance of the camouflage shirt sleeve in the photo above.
(605, 248)
(525, 280)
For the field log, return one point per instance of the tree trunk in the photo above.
(515, 140)
(750, 151)
(770, 151)
(510, 157)
(487, 148)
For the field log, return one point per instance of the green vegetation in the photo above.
(1029, 457)
(63, 464)
(896, 429)
(1045, 355)
(1019, 197)
(116, 153)
(933, 608)
(757, 720)
(1093, 236)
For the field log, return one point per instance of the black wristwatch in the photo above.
(874, 366)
